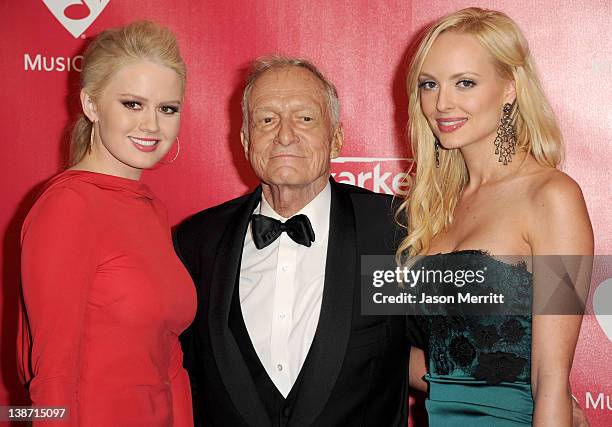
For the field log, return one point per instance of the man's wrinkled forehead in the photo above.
(287, 81)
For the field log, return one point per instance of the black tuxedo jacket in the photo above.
(356, 369)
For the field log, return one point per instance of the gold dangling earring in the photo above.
(178, 150)
(91, 137)
(505, 141)
(437, 151)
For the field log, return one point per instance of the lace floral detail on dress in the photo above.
(499, 366)
(512, 330)
(491, 348)
(488, 349)
(485, 335)
(461, 351)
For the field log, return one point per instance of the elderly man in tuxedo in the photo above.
(279, 338)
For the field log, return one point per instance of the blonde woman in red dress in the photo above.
(105, 297)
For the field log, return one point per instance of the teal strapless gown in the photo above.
(479, 366)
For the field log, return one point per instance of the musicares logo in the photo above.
(76, 16)
(602, 402)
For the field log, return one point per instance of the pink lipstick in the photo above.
(450, 124)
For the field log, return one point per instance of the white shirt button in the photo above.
(279, 367)
(285, 267)
(282, 316)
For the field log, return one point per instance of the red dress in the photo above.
(105, 300)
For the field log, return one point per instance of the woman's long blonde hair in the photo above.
(112, 49)
(428, 207)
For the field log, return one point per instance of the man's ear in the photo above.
(244, 140)
(89, 106)
(510, 92)
(337, 141)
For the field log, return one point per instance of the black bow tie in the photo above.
(266, 230)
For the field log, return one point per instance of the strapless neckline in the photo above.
(520, 265)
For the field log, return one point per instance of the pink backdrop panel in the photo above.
(361, 45)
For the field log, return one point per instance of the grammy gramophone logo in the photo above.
(76, 16)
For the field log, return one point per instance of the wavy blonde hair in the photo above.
(428, 207)
(111, 50)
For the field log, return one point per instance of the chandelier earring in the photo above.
(505, 141)
(178, 150)
(437, 151)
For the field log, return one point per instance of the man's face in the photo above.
(291, 138)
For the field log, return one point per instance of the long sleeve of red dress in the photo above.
(105, 299)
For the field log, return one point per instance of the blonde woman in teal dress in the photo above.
(487, 149)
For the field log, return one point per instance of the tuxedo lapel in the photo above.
(232, 368)
(326, 354)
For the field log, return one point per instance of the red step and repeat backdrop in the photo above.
(361, 45)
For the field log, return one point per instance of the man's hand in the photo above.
(579, 418)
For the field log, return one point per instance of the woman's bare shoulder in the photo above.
(552, 189)
(558, 220)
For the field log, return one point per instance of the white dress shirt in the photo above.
(281, 289)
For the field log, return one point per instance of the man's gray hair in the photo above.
(265, 63)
